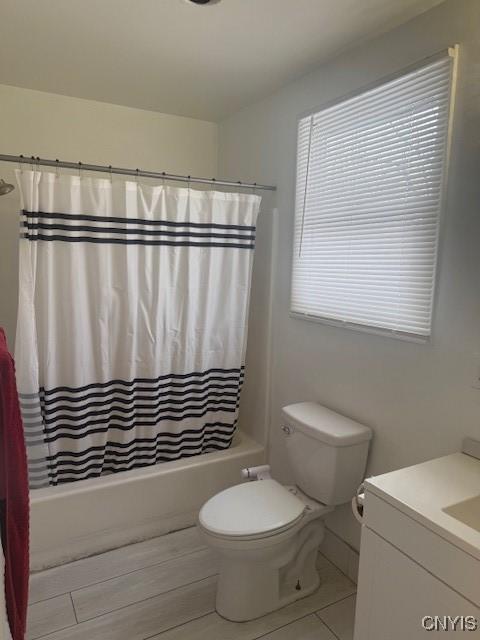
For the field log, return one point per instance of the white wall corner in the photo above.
(342, 555)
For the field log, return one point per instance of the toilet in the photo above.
(267, 535)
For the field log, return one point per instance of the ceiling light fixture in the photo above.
(203, 2)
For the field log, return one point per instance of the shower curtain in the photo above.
(132, 322)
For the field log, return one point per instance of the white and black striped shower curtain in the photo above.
(132, 322)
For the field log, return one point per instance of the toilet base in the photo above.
(298, 595)
(252, 584)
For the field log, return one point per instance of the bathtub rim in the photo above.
(240, 444)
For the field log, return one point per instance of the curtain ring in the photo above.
(136, 175)
(79, 170)
(57, 174)
(20, 167)
(111, 173)
(254, 189)
(188, 184)
(32, 164)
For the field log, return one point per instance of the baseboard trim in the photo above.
(341, 554)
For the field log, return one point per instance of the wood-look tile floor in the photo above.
(164, 589)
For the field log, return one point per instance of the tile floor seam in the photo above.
(330, 629)
(308, 615)
(177, 626)
(350, 595)
(157, 595)
(92, 584)
(45, 635)
(292, 621)
(150, 566)
(155, 564)
(314, 613)
(58, 595)
(73, 607)
(71, 626)
(318, 611)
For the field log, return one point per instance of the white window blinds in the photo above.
(370, 174)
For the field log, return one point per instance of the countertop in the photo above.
(425, 490)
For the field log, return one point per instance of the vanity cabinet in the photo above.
(415, 565)
(396, 593)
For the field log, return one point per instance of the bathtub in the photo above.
(83, 518)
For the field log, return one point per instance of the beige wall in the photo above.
(418, 398)
(54, 126)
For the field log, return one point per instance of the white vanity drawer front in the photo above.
(440, 557)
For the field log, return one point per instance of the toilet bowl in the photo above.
(260, 530)
(267, 535)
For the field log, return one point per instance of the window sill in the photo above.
(386, 333)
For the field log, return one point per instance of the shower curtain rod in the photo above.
(36, 161)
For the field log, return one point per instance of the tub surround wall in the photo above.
(418, 398)
(55, 126)
(257, 388)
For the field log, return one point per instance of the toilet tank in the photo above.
(327, 451)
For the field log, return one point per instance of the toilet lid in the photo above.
(250, 509)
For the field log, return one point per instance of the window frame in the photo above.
(452, 52)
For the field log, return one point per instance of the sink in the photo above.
(467, 511)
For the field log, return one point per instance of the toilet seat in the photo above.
(251, 510)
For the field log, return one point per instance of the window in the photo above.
(370, 173)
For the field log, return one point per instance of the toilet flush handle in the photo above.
(287, 430)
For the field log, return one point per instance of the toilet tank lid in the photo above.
(325, 425)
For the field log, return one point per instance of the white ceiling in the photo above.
(176, 57)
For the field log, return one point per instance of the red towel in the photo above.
(13, 496)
